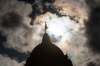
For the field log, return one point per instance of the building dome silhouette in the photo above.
(47, 54)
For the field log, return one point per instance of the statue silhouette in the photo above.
(47, 54)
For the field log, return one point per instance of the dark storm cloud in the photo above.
(91, 64)
(93, 3)
(93, 29)
(42, 6)
(11, 20)
(12, 13)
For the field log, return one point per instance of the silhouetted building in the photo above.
(47, 54)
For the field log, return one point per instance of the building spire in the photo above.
(46, 39)
(45, 27)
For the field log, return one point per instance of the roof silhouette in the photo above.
(47, 54)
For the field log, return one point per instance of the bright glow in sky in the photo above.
(60, 27)
(57, 28)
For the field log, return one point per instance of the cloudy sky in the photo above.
(22, 25)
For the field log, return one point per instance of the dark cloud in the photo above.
(12, 13)
(11, 20)
(42, 6)
(93, 30)
(93, 3)
(91, 64)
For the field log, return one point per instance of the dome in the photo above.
(47, 54)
